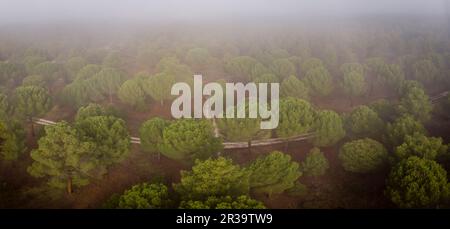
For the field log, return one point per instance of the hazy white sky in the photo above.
(161, 10)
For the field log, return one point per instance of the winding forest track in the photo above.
(239, 145)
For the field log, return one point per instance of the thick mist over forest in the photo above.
(86, 98)
(102, 23)
(204, 11)
(32, 20)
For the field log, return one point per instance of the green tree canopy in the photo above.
(151, 134)
(110, 135)
(113, 60)
(88, 86)
(172, 67)
(10, 73)
(392, 76)
(225, 202)
(283, 68)
(425, 71)
(158, 86)
(4, 107)
(348, 68)
(354, 84)
(77, 93)
(407, 85)
(198, 57)
(364, 122)
(212, 177)
(74, 65)
(421, 146)
(374, 68)
(328, 127)
(132, 93)
(63, 159)
(417, 183)
(311, 63)
(416, 103)
(241, 67)
(319, 81)
(49, 70)
(88, 71)
(385, 109)
(296, 117)
(330, 56)
(188, 139)
(315, 164)
(273, 173)
(268, 56)
(267, 78)
(34, 80)
(363, 155)
(31, 61)
(31, 101)
(241, 129)
(400, 128)
(293, 87)
(142, 196)
(261, 71)
(12, 140)
(90, 110)
(108, 81)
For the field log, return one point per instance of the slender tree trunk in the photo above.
(162, 102)
(110, 96)
(315, 183)
(69, 185)
(249, 146)
(286, 146)
(30, 119)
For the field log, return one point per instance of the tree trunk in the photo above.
(110, 97)
(250, 146)
(30, 119)
(69, 185)
(162, 102)
(286, 146)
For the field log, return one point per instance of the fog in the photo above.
(142, 11)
